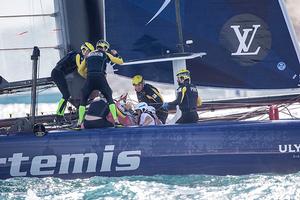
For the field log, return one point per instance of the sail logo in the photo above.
(246, 39)
(289, 148)
(244, 47)
(281, 66)
(164, 5)
(47, 165)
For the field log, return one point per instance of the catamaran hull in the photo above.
(222, 148)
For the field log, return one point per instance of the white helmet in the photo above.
(151, 109)
(141, 106)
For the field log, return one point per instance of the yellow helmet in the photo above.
(137, 79)
(184, 74)
(103, 44)
(87, 46)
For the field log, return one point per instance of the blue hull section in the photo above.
(223, 148)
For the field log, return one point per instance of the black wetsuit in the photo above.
(97, 109)
(96, 80)
(64, 67)
(187, 97)
(152, 97)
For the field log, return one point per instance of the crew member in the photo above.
(149, 94)
(126, 114)
(144, 117)
(68, 64)
(96, 115)
(96, 77)
(187, 98)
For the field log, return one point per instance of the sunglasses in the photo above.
(84, 50)
(137, 84)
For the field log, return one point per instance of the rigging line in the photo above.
(295, 104)
(32, 15)
(21, 91)
(29, 48)
(251, 104)
(44, 89)
(281, 107)
(297, 108)
(251, 112)
(266, 116)
(262, 115)
(231, 116)
(256, 114)
(293, 99)
(289, 113)
(217, 118)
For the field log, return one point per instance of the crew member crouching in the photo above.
(150, 95)
(187, 98)
(96, 115)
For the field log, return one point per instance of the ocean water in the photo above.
(18, 105)
(155, 188)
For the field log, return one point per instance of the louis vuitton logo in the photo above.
(244, 47)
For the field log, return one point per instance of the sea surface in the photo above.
(258, 186)
(263, 186)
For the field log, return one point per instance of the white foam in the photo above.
(21, 110)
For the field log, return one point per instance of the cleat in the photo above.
(75, 126)
(118, 125)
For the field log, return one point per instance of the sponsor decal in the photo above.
(297, 76)
(281, 66)
(247, 39)
(289, 148)
(164, 5)
(243, 49)
(95, 53)
(72, 163)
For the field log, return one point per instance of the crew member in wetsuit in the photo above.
(187, 98)
(150, 95)
(96, 114)
(96, 77)
(68, 64)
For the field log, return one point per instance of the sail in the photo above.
(249, 43)
(25, 24)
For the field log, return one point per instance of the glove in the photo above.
(113, 52)
(165, 106)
